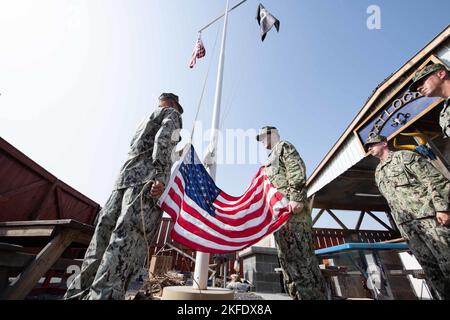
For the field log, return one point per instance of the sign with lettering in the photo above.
(400, 112)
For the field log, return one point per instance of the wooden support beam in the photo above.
(379, 221)
(64, 223)
(317, 216)
(26, 281)
(33, 215)
(59, 203)
(343, 226)
(392, 222)
(35, 231)
(12, 193)
(360, 219)
(45, 228)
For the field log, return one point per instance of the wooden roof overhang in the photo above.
(390, 110)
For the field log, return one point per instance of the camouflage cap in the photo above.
(374, 138)
(422, 73)
(173, 97)
(264, 131)
(168, 96)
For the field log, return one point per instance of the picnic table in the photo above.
(55, 236)
(366, 260)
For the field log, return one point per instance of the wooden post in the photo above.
(317, 216)
(360, 219)
(379, 220)
(35, 214)
(392, 222)
(343, 226)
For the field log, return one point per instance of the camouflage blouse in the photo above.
(412, 186)
(150, 155)
(444, 118)
(286, 171)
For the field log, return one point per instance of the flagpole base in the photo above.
(189, 293)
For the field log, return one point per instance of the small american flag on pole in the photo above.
(209, 220)
(199, 52)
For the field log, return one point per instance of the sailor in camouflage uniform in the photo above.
(286, 171)
(118, 250)
(418, 195)
(434, 81)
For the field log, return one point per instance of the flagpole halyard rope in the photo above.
(141, 195)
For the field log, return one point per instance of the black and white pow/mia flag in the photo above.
(266, 21)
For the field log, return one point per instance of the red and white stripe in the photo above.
(238, 223)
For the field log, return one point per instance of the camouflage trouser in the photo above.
(117, 250)
(302, 277)
(430, 244)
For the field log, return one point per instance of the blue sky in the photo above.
(77, 77)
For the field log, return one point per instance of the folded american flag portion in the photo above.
(199, 52)
(209, 220)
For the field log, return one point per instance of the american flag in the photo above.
(209, 220)
(199, 52)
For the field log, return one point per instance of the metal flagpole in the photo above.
(202, 258)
